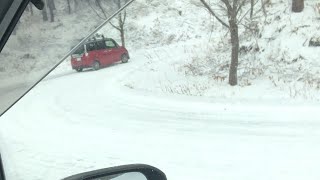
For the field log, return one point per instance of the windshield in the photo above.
(203, 89)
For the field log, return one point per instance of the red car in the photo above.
(97, 53)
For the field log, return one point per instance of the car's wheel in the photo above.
(79, 70)
(96, 65)
(124, 58)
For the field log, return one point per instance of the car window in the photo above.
(110, 44)
(100, 45)
(80, 50)
(92, 46)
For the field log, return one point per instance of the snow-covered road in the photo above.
(84, 121)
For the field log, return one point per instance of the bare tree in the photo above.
(120, 26)
(30, 7)
(263, 6)
(76, 4)
(54, 5)
(251, 9)
(121, 21)
(51, 7)
(232, 10)
(44, 13)
(297, 5)
(69, 6)
(230, 15)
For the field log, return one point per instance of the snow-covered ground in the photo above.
(84, 121)
(171, 107)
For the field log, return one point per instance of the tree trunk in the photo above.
(69, 6)
(54, 5)
(98, 3)
(31, 10)
(263, 5)
(76, 4)
(121, 24)
(51, 15)
(51, 8)
(251, 9)
(123, 42)
(44, 14)
(233, 77)
(121, 30)
(297, 6)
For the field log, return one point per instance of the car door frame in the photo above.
(111, 51)
(118, 51)
(101, 53)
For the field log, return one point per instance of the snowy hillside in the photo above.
(184, 54)
(189, 53)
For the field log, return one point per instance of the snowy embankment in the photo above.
(191, 56)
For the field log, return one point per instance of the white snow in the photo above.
(158, 110)
(91, 121)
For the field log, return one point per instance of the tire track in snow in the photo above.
(89, 120)
(171, 113)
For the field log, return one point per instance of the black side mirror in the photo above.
(126, 172)
(2, 177)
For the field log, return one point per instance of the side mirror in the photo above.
(2, 177)
(126, 172)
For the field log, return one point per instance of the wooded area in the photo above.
(234, 12)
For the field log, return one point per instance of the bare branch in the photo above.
(116, 27)
(263, 3)
(220, 6)
(101, 9)
(228, 5)
(252, 7)
(212, 13)
(240, 19)
(263, 8)
(235, 5)
(125, 17)
(95, 11)
(240, 6)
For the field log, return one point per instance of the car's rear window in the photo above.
(80, 50)
(91, 46)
